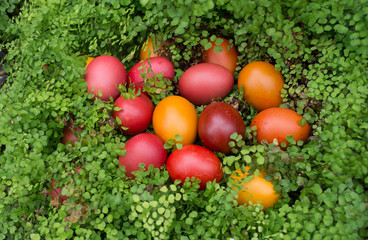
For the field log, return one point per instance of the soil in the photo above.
(3, 75)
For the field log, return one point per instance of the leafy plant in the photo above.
(321, 49)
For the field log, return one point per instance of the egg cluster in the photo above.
(175, 117)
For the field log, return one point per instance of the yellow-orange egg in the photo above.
(257, 190)
(89, 59)
(228, 57)
(175, 115)
(149, 49)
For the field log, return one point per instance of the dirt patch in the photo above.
(3, 75)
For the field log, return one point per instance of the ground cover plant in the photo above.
(321, 50)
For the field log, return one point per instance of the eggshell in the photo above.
(105, 73)
(205, 82)
(151, 66)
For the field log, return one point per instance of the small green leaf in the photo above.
(109, 218)
(173, 187)
(154, 204)
(302, 121)
(310, 227)
(328, 220)
(317, 189)
(247, 159)
(178, 137)
(203, 42)
(161, 210)
(163, 189)
(84, 149)
(189, 221)
(139, 208)
(217, 222)
(193, 214)
(101, 226)
(144, 2)
(87, 195)
(35, 236)
(260, 160)
(171, 198)
(118, 121)
(105, 209)
(271, 31)
(145, 205)
(136, 198)
(218, 49)
(290, 139)
(207, 46)
(108, 128)
(219, 41)
(234, 135)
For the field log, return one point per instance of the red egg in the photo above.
(103, 76)
(205, 82)
(135, 114)
(144, 148)
(70, 133)
(151, 66)
(194, 161)
(217, 122)
(278, 123)
(55, 192)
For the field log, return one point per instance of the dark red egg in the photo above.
(71, 134)
(217, 122)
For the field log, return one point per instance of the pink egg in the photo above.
(151, 66)
(103, 76)
(205, 82)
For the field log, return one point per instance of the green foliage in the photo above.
(321, 49)
(173, 144)
(336, 217)
(8, 8)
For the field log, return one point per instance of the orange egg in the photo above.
(257, 190)
(89, 59)
(262, 85)
(149, 49)
(278, 123)
(228, 57)
(175, 115)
